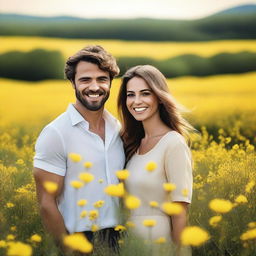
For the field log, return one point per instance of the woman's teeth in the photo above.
(139, 109)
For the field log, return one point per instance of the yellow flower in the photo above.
(120, 241)
(100, 180)
(3, 244)
(76, 184)
(88, 164)
(93, 214)
(153, 204)
(220, 205)
(120, 228)
(194, 236)
(83, 214)
(169, 187)
(94, 228)
(172, 208)
(78, 242)
(235, 147)
(20, 162)
(249, 234)
(81, 202)
(151, 166)
(13, 228)
(252, 224)
(75, 157)
(249, 186)
(19, 249)
(132, 202)
(86, 177)
(10, 237)
(160, 240)
(50, 186)
(185, 192)
(122, 174)
(98, 204)
(149, 223)
(9, 205)
(130, 224)
(213, 221)
(36, 238)
(241, 199)
(115, 190)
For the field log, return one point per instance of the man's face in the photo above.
(92, 85)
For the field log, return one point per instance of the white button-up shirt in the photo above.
(69, 133)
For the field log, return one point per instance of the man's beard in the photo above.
(92, 106)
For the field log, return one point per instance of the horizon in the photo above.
(151, 9)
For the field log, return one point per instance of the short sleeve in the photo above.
(49, 152)
(178, 168)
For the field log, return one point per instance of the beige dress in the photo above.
(173, 159)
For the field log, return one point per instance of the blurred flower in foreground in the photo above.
(151, 166)
(83, 214)
(194, 236)
(122, 174)
(249, 234)
(160, 240)
(172, 208)
(149, 223)
(115, 190)
(153, 204)
(86, 177)
(3, 244)
(130, 224)
(249, 186)
(220, 205)
(19, 249)
(132, 202)
(87, 165)
(120, 228)
(94, 228)
(169, 187)
(241, 199)
(9, 205)
(98, 204)
(13, 228)
(20, 162)
(184, 192)
(10, 237)
(78, 242)
(36, 238)
(252, 224)
(50, 186)
(81, 202)
(75, 157)
(213, 221)
(93, 214)
(76, 184)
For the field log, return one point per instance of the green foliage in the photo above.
(193, 65)
(35, 65)
(216, 27)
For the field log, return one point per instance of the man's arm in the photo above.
(51, 217)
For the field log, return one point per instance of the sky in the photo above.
(165, 9)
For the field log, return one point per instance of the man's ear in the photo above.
(73, 84)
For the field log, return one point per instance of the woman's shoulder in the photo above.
(174, 139)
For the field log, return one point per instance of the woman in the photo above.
(153, 130)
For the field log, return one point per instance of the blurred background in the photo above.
(206, 49)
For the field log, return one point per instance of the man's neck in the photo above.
(94, 118)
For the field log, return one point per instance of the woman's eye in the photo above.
(146, 93)
(129, 95)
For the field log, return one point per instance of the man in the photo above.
(90, 132)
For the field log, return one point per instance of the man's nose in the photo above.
(94, 86)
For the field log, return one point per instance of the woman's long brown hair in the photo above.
(132, 130)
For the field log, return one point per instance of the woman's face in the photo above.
(141, 102)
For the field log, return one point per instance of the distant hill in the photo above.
(235, 23)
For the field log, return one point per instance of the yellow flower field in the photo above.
(156, 50)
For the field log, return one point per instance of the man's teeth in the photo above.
(139, 109)
(93, 95)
